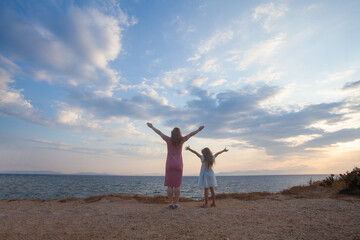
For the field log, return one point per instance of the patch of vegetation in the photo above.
(348, 183)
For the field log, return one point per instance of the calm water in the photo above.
(62, 186)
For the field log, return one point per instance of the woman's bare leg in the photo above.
(213, 204)
(170, 193)
(177, 194)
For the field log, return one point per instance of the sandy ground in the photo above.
(276, 216)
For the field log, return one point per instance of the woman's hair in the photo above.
(208, 158)
(176, 137)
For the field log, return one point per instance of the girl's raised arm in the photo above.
(224, 150)
(155, 129)
(193, 151)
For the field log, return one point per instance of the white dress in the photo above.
(207, 177)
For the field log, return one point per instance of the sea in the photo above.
(39, 186)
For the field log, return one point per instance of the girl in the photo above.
(207, 177)
(174, 162)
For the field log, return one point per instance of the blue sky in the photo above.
(277, 82)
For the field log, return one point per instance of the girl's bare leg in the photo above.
(170, 193)
(213, 204)
(177, 195)
(206, 195)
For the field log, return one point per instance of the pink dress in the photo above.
(174, 162)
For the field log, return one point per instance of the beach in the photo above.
(300, 214)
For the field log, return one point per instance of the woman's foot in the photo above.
(171, 206)
(204, 206)
(176, 206)
(213, 205)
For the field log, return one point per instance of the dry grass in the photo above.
(159, 199)
(315, 190)
(244, 196)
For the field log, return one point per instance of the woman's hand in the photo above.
(187, 148)
(150, 125)
(201, 128)
(225, 150)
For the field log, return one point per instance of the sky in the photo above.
(276, 82)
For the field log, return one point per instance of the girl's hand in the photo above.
(225, 150)
(201, 128)
(149, 125)
(187, 148)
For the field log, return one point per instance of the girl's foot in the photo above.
(213, 205)
(204, 206)
(176, 206)
(171, 206)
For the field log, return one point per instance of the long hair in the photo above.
(208, 158)
(176, 137)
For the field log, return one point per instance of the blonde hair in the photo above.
(208, 158)
(176, 136)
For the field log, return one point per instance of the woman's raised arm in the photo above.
(196, 131)
(155, 129)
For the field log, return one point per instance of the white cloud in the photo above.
(260, 52)
(194, 58)
(352, 120)
(220, 37)
(43, 76)
(298, 140)
(217, 82)
(265, 76)
(8, 65)
(209, 65)
(269, 12)
(13, 102)
(338, 76)
(75, 118)
(173, 77)
(182, 26)
(78, 49)
(197, 82)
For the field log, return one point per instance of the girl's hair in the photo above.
(176, 137)
(208, 158)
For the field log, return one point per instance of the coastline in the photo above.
(297, 213)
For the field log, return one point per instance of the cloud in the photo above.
(265, 76)
(182, 26)
(217, 82)
(171, 78)
(197, 82)
(239, 115)
(339, 76)
(209, 65)
(220, 37)
(260, 52)
(139, 107)
(269, 12)
(331, 138)
(74, 46)
(351, 85)
(194, 58)
(217, 39)
(13, 102)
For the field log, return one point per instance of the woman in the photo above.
(174, 162)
